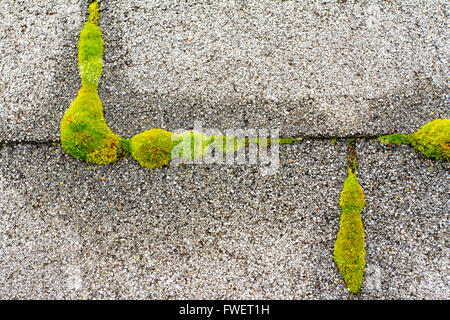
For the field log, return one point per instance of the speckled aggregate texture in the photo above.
(177, 232)
(39, 247)
(309, 68)
(322, 69)
(38, 66)
(73, 230)
(406, 222)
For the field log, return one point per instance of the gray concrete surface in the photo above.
(406, 222)
(309, 68)
(327, 68)
(38, 66)
(71, 230)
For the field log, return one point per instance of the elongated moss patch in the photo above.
(192, 145)
(84, 132)
(349, 252)
(433, 139)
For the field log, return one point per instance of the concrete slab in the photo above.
(38, 66)
(180, 232)
(308, 68)
(406, 221)
(72, 230)
(330, 69)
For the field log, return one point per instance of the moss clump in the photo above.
(94, 12)
(349, 252)
(84, 132)
(152, 148)
(433, 139)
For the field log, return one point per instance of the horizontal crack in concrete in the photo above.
(303, 138)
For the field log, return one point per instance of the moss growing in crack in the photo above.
(396, 138)
(84, 132)
(349, 252)
(94, 11)
(433, 139)
(86, 136)
(90, 49)
(229, 144)
(152, 148)
(192, 145)
(288, 140)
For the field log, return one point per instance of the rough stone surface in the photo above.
(193, 231)
(406, 222)
(38, 66)
(72, 230)
(308, 68)
(322, 69)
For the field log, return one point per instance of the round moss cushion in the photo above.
(433, 139)
(152, 148)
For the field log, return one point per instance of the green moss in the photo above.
(90, 49)
(200, 144)
(84, 133)
(288, 140)
(229, 144)
(350, 141)
(432, 140)
(349, 252)
(94, 12)
(152, 148)
(260, 142)
(197, 144)
(395, 138)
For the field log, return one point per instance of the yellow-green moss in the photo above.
(288, 140)
(94, 12)
(197, 144)
(433, 139)
(229, 144)
(90, 49)
(200, 144)
(84, 132)
(152, 148)
(349, 252)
